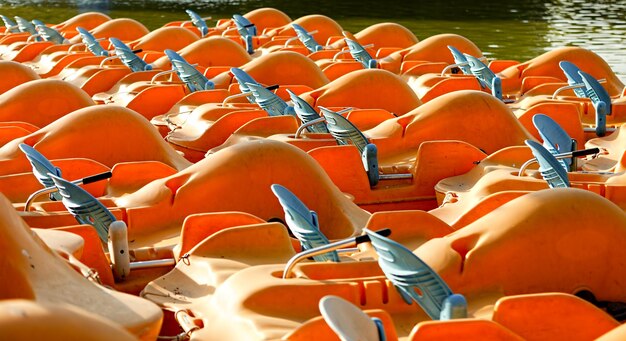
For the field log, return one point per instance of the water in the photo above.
(503, 30)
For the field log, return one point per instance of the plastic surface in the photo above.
(268, 101)
(555, 139)
(84, 207)
(359, 54)
(343, 130)
(247, 30)
(26, 26)
(41, 168)
(303, 223)
(49, 33)
(413, 278)
(198, 22)
(128, 57)
(348, 321)
(306, 113)
(119, 250)
(307, 39)
(194, 80)
(243, 78)
(346, 133)
(573, 78)
(551, 170)
(10, 25)
(600, 99)
(460, 60)
(91, 43)
(485, 76)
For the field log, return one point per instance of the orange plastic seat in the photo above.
(544, 317)
(466, 329)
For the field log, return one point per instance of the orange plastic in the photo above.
(107, 134)
(31, 320)
(41, 102)
(14, 74)
(552, 316)
(392, 93)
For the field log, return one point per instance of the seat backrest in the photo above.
(41, 168)
(599, 98)
(348, 321)
(549, 167)
(194, 80)
(84, 207)
(485, 76)
(345, 133)
(269, 101)
(10, 25)
(198, 22)
(48, 33)
(128, 57)
(343, 130)
(307, 39)
(555, 139)
(460, 60)
(246, 29)
(303, 223)
(361, 55)
(306, 113)
(25, 26)
(243, 78)
(92, 44)
(415, 280)
(573, 78)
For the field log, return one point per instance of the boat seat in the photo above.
(303, 223)
(349, 322)
(243, 79)
(540, 317)
(26, 26)
(555, 139)
(600, 100)
(551, 170)
(573, 77)
(11, 26)
(128, 57)
(84, 207)
(269, 101)
(346, 133)
(416, 281)
(49, 33)
(472, 329)
(307, 39)
(41, 168)
(460, 60)
(194, 80)
(198, 22)
(92, 44)
(247, 30)
(306, 113)
(485, 76)
(361, 55)
(39, 274)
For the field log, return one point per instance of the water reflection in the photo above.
(504, 30)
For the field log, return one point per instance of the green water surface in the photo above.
(502, 29)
